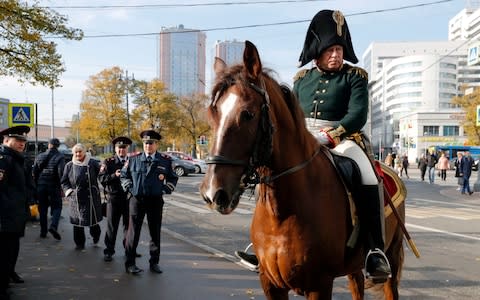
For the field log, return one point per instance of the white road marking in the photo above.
(424, 228)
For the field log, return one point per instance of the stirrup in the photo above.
(243, 256)
(378, 278)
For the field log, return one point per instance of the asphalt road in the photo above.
(198, 245)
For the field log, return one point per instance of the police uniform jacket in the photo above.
(335, 96)
(109, 180)
(52, 172)
(15, 183)
(142, 180)
(80, 185)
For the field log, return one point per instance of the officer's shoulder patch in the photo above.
(300, 74)
(357, 71)
(111, 159)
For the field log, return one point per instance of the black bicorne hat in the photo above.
(150, 135)
(121, 141)
(328, 28)
(18, 132)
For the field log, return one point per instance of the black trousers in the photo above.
(79, 234)
(117, 207)
(49, 195)
(9, 249)
(139, 207)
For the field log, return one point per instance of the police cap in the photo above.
(121, 141)
(18, 132)
(150, 135)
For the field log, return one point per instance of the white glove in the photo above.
(323, 138)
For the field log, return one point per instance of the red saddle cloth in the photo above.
(391, 182)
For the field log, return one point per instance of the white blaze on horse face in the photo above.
(226, 108)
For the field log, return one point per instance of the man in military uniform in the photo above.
(147, 176)
(117, 202)
(16, 184)
(47, 172)
(334, 99)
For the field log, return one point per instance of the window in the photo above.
(451, 131)
(430, 130)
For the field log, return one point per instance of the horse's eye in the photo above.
(246, 115)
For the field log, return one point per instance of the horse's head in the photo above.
(240, 119)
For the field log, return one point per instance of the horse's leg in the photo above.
(356, 284)
(272, 292)
(323, 289)
(395, 256)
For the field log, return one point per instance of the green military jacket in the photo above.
(335, 96)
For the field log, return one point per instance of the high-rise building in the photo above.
(231, 52)
(3, 113)
(182, 60)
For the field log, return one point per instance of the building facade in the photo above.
(231, 52)
(182, 60)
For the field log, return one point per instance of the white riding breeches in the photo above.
(348, 149)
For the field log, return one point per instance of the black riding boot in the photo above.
(370, 207)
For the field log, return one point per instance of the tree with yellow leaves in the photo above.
(469, 104)
(24, 51)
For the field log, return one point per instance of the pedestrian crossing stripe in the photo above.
(21, 114)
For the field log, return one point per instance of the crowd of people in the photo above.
(434, 165)
(134, 187)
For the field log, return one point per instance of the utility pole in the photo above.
(52, 129)
(126, 99)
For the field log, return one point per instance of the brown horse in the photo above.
(302, 219)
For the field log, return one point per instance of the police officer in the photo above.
(16, 184)
(117, 202)
(47, 172)
(147, 176)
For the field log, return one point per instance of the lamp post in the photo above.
(126, 99)
(52, 129)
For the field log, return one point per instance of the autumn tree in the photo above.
(103, 114)
(469, 104)
(25, 51)
(155, 108)
(193, 119)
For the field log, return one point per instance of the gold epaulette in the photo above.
(358, 71)
(300, 74)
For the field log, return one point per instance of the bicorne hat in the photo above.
(121, 141)
(327, 28)
(18, 132)
(150, 135)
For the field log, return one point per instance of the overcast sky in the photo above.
(279, 45)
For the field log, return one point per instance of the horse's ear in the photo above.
(251, 59)
(219, 66)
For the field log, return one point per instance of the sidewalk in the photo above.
(55, 270)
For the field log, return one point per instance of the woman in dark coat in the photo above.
(80, 185)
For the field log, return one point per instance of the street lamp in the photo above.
(126, 98)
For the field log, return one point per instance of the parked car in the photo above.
(180, 166)
(42, 146)
(200, 165)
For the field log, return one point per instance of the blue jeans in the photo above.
(466, 185)
(431, 174)
(49, 195)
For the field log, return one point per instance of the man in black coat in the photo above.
(15, 189)
(117, 202)
(47, 172)
(146, 176)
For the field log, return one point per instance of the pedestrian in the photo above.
(47, 172)
(458, 171)
(16, 185)
(422, 165)
(80, 185)
(443, 166)
(398, 165)
(389, 160)
(404, 166)
(117, 202)
(334, 98)
(431, 162)
(466, 164)
(146, 176)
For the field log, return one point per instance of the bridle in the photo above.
(262, 149)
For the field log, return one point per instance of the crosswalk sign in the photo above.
(21, 114)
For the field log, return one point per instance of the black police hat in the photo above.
(121, 141)
(326, 29)
(54, 141)
(18, 132)
(150, 135)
